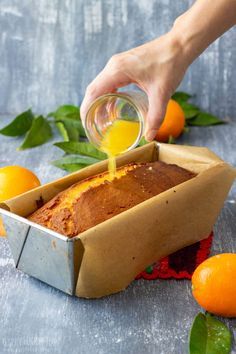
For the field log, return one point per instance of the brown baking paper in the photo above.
(118, 249)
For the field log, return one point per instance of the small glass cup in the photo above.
(105, 110)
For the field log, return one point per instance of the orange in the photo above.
(173, 123)
(214, 284)
(15, 180)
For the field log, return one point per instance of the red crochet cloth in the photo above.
(181, 264)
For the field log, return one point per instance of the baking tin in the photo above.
(40, 252)
(107, 257)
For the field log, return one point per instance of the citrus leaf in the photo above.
(75, 159)
(181, 96)
(20, 125)
(198, 335)
(62, 130)
(69, 167)
(69, 111)
(143, 141)
(205, 119)
(81, 148)
(186, 129)
(190, 110)
(69, 116)
(74, 124)
(209, 336)
(39, 133)
(72, 130)
(171, 140)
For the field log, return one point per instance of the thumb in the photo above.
(156, 112)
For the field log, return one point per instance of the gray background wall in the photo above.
(50, 50)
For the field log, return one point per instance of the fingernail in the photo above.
(150, 135)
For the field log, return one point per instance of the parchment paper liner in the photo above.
(116, 250)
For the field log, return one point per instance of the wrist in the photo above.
(190, 38)
(202, 24)
(182, 46)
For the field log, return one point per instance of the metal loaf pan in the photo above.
(43, 253)
(128, 242)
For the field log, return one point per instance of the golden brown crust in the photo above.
(92, 201)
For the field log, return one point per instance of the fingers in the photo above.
(109, 79)
(156, 112)
(121, 71)
(102, 84)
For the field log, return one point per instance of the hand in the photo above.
(156, 67)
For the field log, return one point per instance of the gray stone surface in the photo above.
(49, 51)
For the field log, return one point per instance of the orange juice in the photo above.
(114, 123)
(119, 137)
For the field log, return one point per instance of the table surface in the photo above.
(148, 317)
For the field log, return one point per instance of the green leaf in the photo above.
(205, 119)
(68, 111)
(39, 133)
(81, 148)
(20, 125)
(72, 124)
(186, 129)
(181, 96)
(209, 336)
(72, 130)
(143, 142)
(62, 130)
(198, 335)
(190, 110)
(75, 159)
(171, 140)
(70, 117)
(70, 167)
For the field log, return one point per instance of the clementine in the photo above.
(173, 123)
(214, 284)
(15, 180)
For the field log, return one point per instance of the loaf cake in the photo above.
(96, 199)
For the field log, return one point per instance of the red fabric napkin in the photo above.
(181, 264)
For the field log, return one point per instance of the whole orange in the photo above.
(173, 123)
(214, 284)
(15, 180)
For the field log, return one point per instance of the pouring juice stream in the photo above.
(117, 139)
